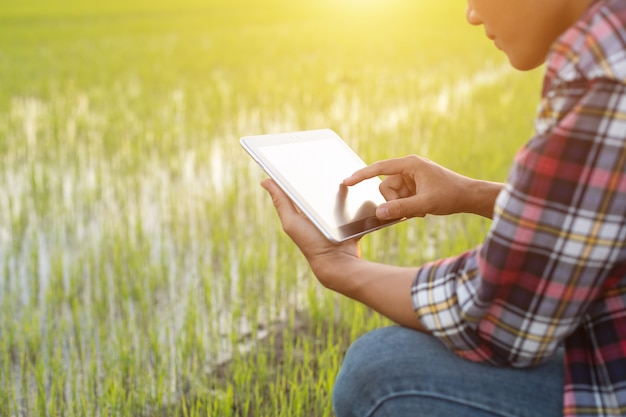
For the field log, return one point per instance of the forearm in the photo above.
(481, 197)
(383, 288)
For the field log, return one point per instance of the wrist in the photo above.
(337, 272)
(482, 197)
(383, 288)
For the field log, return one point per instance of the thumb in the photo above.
(283, 204)
(402, 207)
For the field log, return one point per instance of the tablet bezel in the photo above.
(254, 144)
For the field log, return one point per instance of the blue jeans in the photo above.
(399, 372)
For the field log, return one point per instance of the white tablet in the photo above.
(310, 167)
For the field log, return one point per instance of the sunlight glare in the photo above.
(361, 5)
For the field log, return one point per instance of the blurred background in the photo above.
(143, 271)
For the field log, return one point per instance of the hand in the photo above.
(338, 266)
(416, 186)
(322, 254)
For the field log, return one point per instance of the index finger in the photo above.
(385, 167)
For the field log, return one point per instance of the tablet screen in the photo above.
(311, 168)
(316, 170)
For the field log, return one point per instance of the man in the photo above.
(533, 321)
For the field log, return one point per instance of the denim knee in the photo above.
(365, 369)
(396, 371)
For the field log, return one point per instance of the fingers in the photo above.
(275, 192)
(282, 202)
(398, 188)
(386, 167)
(394, 187)
(401, 208)
(309, 239)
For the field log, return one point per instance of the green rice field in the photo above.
(143, 271)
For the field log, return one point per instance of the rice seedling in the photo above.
(142, 269)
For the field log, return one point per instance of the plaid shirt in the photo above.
(552, 270)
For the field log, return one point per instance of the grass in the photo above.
(142, 269)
